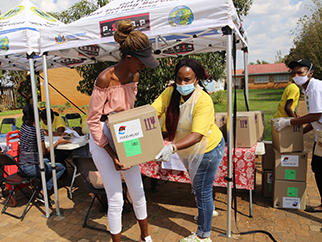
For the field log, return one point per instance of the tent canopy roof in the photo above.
(174, 27)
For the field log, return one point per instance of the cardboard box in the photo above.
(289, 139)
(290, 166)
(221, 121)
(289, 194)
(267, 183)
(268, 159)
(245, 130)
(136, 134)
(259, 122)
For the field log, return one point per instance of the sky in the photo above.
(268, 24)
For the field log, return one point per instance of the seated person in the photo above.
(29, 156)
(83, 130)
(58, 124)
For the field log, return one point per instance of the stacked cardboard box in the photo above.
(268, 165)
(249, 127)
(289, 174)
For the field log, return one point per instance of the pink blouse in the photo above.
(107, 100)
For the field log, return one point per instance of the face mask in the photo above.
(300, 80)
(185, 90)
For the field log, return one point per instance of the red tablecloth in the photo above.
(245, 170)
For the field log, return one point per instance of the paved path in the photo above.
(171, 212)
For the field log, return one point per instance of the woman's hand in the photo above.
(118, 165)
(62, 141)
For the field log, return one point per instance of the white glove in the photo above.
(282, 123)
(165, 153)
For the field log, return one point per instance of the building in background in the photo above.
(66, 81)
(264, 76)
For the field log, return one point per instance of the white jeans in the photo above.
(113, 186)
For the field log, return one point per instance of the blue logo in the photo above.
(180, 16)
(122, 130)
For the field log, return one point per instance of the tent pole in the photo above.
(50, 133)
(228, 32)
(35, 105)
(246, 72)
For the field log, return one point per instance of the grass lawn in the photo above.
(259, 100)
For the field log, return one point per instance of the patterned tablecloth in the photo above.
(245, 170)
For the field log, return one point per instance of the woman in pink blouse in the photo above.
(114, 91)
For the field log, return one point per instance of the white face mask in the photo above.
(300, 80)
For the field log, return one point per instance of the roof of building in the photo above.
(264, 68)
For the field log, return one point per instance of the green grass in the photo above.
(259, 100)
(7, 127)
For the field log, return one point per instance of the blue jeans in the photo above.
(34, 170)
(202, 187)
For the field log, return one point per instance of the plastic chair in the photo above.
(85, 164)
(71, 116)
(16, 180)
(7, 121)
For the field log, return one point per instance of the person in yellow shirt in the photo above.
(58, 124)
(289, 102)
(195, 137)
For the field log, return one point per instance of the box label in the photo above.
(290, 174)
(128, 130)
(132, 147)
(269, 178)
(290, 160)
(292, 192)
(149, 123)
(291, 202)
(244, 124)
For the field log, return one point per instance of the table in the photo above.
(245, 170)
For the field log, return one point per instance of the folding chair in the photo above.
(84, 165)
(15, 180)
(7, 121)
(71, 116)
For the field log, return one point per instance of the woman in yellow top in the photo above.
(57, 123)
(195, 137)
(289, 101)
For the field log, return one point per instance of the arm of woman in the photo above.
(58, 142)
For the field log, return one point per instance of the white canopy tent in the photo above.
(175, 28)
(19, 49)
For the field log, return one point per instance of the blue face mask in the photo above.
(185, 90)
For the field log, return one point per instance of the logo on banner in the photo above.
(60, 39)
(71, 62)
(4, 44)
(180, 49)
(180, 16)
(141, 22)
(12, 12)
(91, 50)
(42, 14)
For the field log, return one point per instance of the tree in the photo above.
(243, 6)
(258, 62)
(308, 39)
(152, 81)
(279, 58)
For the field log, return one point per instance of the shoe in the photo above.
(313, 210)
(194, 238)
(146, 239)
(214, 214)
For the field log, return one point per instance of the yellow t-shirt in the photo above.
(84, 126)
(203, 116)
(291, 92)
(57, 123)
